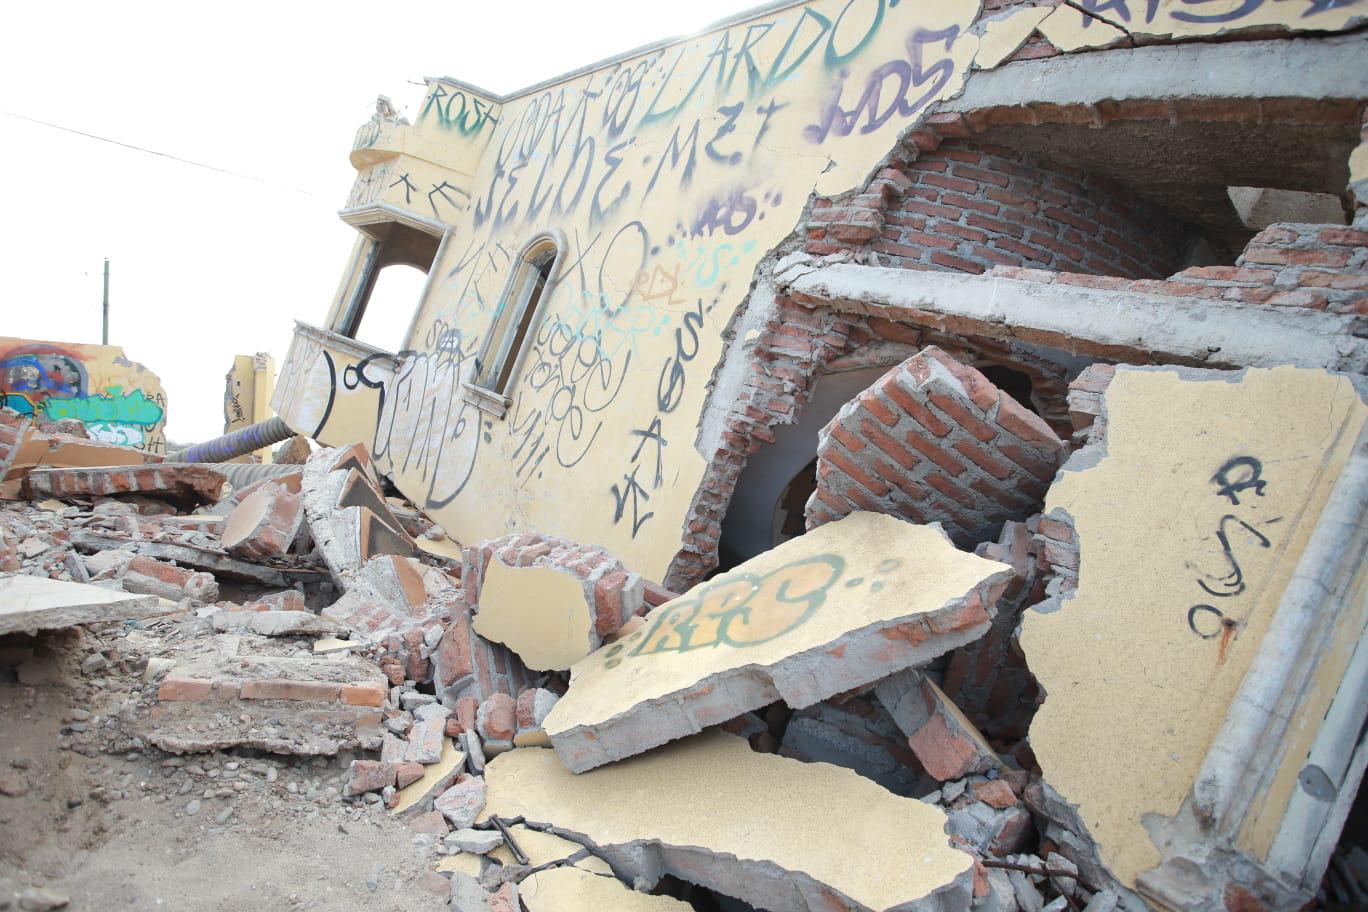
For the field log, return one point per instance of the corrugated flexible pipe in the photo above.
(244, 440)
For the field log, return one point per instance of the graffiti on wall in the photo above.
(669, 176)
(118, 400)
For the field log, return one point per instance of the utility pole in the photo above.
(104, 335)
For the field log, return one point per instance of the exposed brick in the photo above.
(281, 689)
(185, 689)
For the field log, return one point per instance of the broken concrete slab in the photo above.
(188, 485)
(540, 613)
(946, 743)
(1178, 655)
(702, 824)
(541, 848)
(1121, 325)
(568, 889)
(279, 623)
(839, 608)
(30, 603)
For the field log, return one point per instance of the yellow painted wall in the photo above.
(1139, 667)
(247, 396)
(120, 401)
(671, 175)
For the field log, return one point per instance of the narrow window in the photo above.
(516, 314)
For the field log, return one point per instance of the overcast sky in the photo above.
(206, 265)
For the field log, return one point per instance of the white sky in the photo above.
(203, 265)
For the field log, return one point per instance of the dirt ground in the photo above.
(89, 813)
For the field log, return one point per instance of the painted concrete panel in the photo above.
(120, 401)
(537, 612)
(1189, 527)
(843, 606)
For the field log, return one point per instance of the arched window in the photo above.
(519, 305)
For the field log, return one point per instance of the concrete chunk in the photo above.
(839, 608)
(538, 612)
(31, 603)
(744, 824)
(462, 803)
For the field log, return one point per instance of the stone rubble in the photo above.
(300, 621)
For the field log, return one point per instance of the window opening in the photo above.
(517, 312)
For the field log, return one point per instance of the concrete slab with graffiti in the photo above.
(120, 401)
(1190, 521)
(755, 826)
(841, 607)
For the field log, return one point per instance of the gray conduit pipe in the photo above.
(245, 440)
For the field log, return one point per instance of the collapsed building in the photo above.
(951, 415)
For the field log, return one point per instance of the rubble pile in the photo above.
(854, 719)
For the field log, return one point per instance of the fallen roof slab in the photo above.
(780, 834)
(846, 605)
(1193, 510)
(568, 889)
(32, 603)
(1118, 325)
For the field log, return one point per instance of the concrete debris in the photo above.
(816, 616)
(416, 798)
(894, 850)
(478, 842)
(347, 514)
(29, 604)
(550, 600)
(462, 803)
(276, 623)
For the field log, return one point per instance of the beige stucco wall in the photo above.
(669, 176)
(1137, 667)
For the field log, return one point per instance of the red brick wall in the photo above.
(1321, 267)
(968, 208)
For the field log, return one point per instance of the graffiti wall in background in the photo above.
(669, 175)
(120, 401)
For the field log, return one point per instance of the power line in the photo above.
(184, 161)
